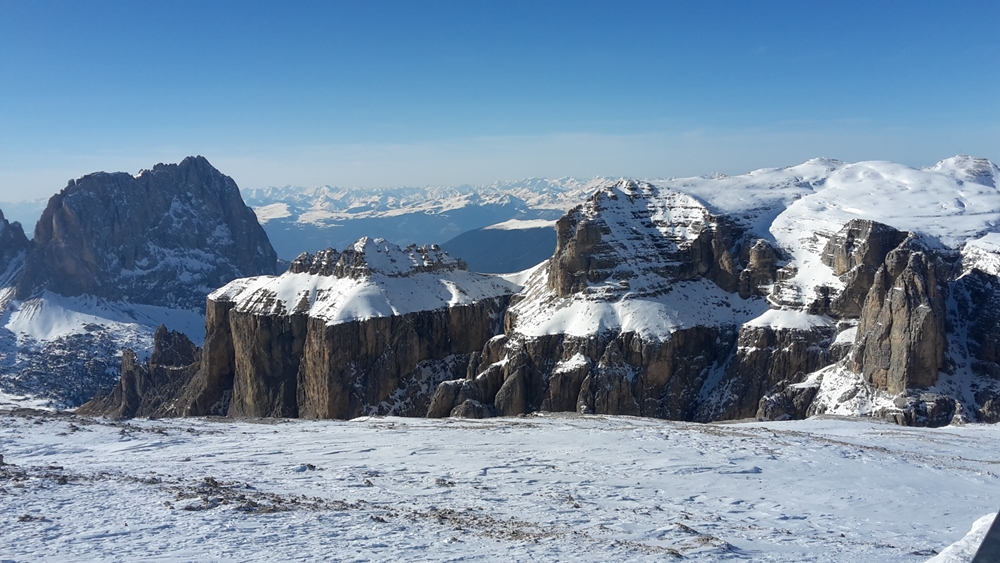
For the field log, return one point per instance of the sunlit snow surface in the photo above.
(550, 488)
(965, 549)
(392, 285)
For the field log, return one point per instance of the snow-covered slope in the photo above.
(303, 219)
(638, 281)
(954, 204)
(951, 204)
(372, 278)
(546, 488)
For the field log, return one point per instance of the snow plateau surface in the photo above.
(543, 488)
(388, 281)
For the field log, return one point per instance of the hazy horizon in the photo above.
(386, 94)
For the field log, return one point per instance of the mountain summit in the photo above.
(113, 257)
(165, 237)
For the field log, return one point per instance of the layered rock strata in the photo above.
(370, 330)
(638, 312)
(625, 318)
(782, 294)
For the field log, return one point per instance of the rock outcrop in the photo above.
(114, 256)
(370, 330)
(165, 237)
(767, 361)
(629, 267)
(602, 327)
(718, 298)
(901, 340)
(149, 389)
(13, 246)
(855, 254)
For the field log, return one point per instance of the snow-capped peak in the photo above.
(965, 168)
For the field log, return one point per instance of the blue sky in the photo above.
(370, 93)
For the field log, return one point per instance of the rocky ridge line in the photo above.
(113, 256)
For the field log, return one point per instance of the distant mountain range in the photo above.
(306, 219)
(864, 289)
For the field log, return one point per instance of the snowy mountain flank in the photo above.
(113, 257)
(865, 289)
(859, 289)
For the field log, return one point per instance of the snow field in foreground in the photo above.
(560, 487)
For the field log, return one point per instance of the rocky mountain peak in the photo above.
(636, 238)
(13, 245)
(165, 237)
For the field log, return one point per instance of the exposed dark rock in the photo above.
(210, 391)
(694, 244)
(267, 352)
(786, 402)
(855, 253)
(511, 399)
(630, 376)
(977, 306)
(761, 270)
(922, 409)
(767, 358)
(471, 409)
(901, 341)
(13, 246)
(165, 237)
(349, 369)
(149, 389)
(353, 262)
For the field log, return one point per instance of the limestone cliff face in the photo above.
(855, 254)
(773, 300)
(296, 346)
(901, 341)
(631, 254)
(607, 374)
(666, 234)
(573, 342)
(388, 363)
(266, 355)
(165, 237)
(766, 361)
(210, 390)
(150, 389)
